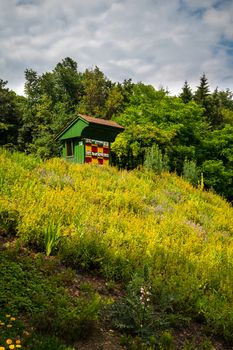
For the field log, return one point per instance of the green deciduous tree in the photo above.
(10, 116)
(96, 88)
(154, 117)
(113, 102)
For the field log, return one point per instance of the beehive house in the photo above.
(88, 140)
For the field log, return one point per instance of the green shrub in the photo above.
(29, 289)
(190, 172)
(82, 253)
(155, 161)
(166, 341)
(42, 342)
(9, 219)
(135, 314)
(69, 324)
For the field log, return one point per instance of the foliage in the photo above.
(53, 99)
(190, 172)
(96, 92)
(140, 319)
(52, 236)
(11, 331)
(9, 116)
(166, 341)
(183, 127)
(154, 117)
(8, 221)
(155, 161)
(36, 297)
(186, 94)
(114, 223)
(205, 344)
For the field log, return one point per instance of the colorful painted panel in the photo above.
(96, 152)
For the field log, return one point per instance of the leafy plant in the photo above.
(155, 161)
(136, 315)
(52, 236)
(12, 331)
(9, 219)
(166, 341)
(114, 223)
(190, 172)
(31, 294)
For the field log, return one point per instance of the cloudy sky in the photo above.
(158, 42)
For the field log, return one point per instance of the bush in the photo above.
(82, 253)
(137, 315)
(155, 161)
(190, 172)
(9, 219)
(29, 289)
(69, 324)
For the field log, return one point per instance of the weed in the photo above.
(9, 219)
(28, 289)
(52, 236)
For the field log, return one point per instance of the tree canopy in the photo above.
(193, 129)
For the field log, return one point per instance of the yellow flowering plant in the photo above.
(114, 222)
(9, 336)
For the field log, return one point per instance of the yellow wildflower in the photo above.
(8, 316)
(12, 318)
(18, 341)
(18, 346)
(9, 341)
(2, 347)
(11, 346)
(9, 325)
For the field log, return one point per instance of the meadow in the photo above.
(126, 226)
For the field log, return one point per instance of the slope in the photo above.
(126, 226)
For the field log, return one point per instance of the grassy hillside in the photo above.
(155, 233)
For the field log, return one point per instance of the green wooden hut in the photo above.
(87, 139)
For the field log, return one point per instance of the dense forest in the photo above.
(190, 134)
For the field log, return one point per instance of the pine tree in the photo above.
(202, 93)
(202, 96)
(186, 94)
(216, 110)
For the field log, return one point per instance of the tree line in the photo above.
(190, 134)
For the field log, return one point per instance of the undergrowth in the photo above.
(115, 223)
(36, 311)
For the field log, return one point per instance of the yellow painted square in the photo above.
(88, 148)
(95, 160)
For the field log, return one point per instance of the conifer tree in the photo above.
(203, 98)
(202, 93)
(216, 110)
(186, 94)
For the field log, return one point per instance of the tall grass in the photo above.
(116, 222)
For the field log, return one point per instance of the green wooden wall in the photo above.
(79, 151)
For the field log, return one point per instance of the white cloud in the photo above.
(158, 42)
